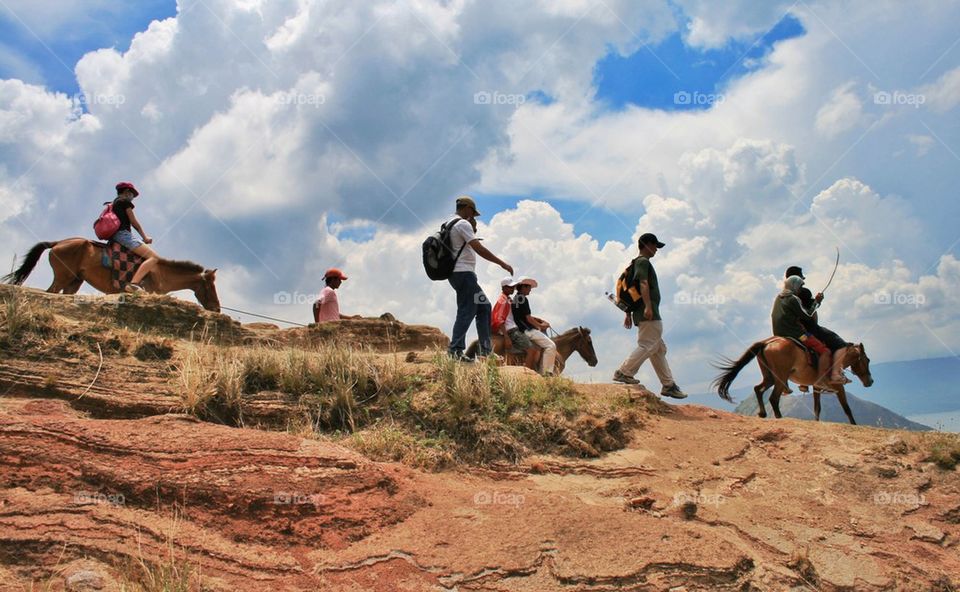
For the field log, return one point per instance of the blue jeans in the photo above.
(472, 304)
(126, 239)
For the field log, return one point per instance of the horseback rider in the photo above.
(534, 327)
(788, 317)
(502, 324)
(123, 208)
(836, 344)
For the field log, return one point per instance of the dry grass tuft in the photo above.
(943, 449)
(387, 441)
(470, 413)
(22, 319)
(338, 389)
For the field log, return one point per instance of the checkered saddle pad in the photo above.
(121, 262)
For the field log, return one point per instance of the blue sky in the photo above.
(54, 53)
(656, 76)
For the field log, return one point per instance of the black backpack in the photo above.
(628, 295)
(438, 257)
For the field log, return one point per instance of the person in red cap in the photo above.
(123, 208)
(327, 307)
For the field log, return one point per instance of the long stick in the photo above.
(835, 266)
(96, 376)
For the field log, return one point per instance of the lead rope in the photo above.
(253, 314)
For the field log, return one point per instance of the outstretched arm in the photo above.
(486, 254)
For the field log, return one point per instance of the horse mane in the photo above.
(185, 266)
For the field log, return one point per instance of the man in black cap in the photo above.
(646, 317)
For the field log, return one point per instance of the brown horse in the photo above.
(78, 260)
(781, 360)
(573, 340)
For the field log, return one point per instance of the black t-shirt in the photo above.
(521, 309)
(120, 207)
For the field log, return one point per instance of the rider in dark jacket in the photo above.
(811, 322)
(788, 319)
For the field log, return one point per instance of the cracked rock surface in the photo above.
(258, 510)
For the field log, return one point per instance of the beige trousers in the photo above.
(548, 361)
(650, 346)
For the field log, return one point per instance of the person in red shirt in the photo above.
(327, 307)
(502, 323)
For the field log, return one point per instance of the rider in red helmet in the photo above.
(123, 208)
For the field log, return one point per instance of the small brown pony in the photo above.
(77, 260)
(573, 340)
(781, 360)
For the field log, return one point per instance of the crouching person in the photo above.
(533, 327)
(327, 307)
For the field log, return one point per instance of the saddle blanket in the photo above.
(122, 264)
(812, 356)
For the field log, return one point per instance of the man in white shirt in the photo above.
(472, 303)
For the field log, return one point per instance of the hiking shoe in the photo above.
(673, 391)
(623, 378)
(461, 357)
(132, 288)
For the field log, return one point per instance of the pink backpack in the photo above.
(107, 224)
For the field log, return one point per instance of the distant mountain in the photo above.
(800, 406)
(915, 387)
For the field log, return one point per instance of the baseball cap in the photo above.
(334, 272)
(648, 238)
(123, 185)
(507, 281)
(466, 200)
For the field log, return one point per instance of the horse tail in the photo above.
(731, 368)
(472, 349)
(29, 262)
